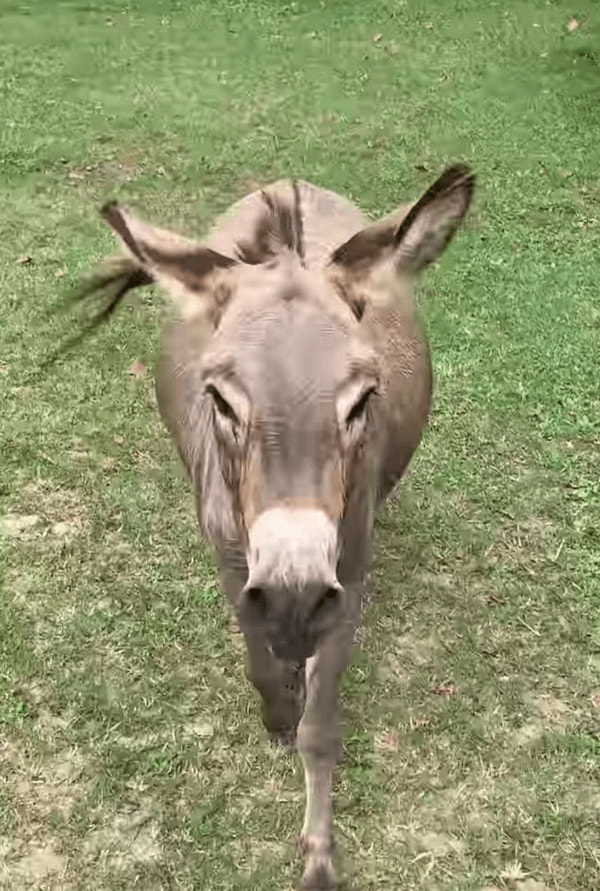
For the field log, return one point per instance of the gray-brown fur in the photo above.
(295, 380)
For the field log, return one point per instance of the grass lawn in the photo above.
(131, 749)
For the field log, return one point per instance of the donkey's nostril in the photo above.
(253, 603)
(255, 595)
(327, 599)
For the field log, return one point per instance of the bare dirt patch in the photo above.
(132, 836)
(529, 733)
(18, 525)
(437, 843)
(40, 787)
(532, 885)
(553, 710)
(419, 650)
(407, 653)
(37, 790)
(59, 513)
(549, 713)
(109, 172)
(252, 855)
(40, 864)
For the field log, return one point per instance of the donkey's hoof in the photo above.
(319, 875)
(286, 737)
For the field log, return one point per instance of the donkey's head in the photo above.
(285, 392)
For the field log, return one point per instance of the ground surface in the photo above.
(131, 752)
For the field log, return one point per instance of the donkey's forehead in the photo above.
(292, 327)
(282, 281)
(289, 344)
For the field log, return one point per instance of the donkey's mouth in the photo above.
(293, 650)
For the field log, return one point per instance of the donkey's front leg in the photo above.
(318, 742)
(281, 686)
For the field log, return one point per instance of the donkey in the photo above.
(295, 380)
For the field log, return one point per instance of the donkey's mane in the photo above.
(278, 228)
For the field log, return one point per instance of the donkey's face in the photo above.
(290, 381)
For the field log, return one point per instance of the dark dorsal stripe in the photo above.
(262, 246)
(298, 225)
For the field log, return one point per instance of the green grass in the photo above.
(131, 750)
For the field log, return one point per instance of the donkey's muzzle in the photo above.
(292, 621)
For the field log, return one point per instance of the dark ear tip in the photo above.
(459, 169)
(110, 209)
(458, 175)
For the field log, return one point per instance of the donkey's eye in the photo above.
(360, 406)
(221, 404)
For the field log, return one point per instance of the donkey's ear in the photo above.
(184, 268)
(417, 237)
(430, 224)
